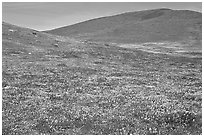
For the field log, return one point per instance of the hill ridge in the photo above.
(141, 26)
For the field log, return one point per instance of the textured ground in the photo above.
(89, 88)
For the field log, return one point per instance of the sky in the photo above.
(49, 15)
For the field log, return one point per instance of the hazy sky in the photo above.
(44, 16)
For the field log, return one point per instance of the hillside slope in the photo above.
(138, 27)
(21, 41)
(55, 85)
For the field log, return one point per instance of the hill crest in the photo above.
(135, 27)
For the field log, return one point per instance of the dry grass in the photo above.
(95, 89)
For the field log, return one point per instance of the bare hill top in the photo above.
(138, 27)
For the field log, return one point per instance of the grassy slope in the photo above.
(136, 27)
(80, 88)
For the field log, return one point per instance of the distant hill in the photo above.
(138, 27)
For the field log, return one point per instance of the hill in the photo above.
(55, 85)
(21, 41)
(138, 27)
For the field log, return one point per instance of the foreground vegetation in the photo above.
(90, 88)
(100, 90)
